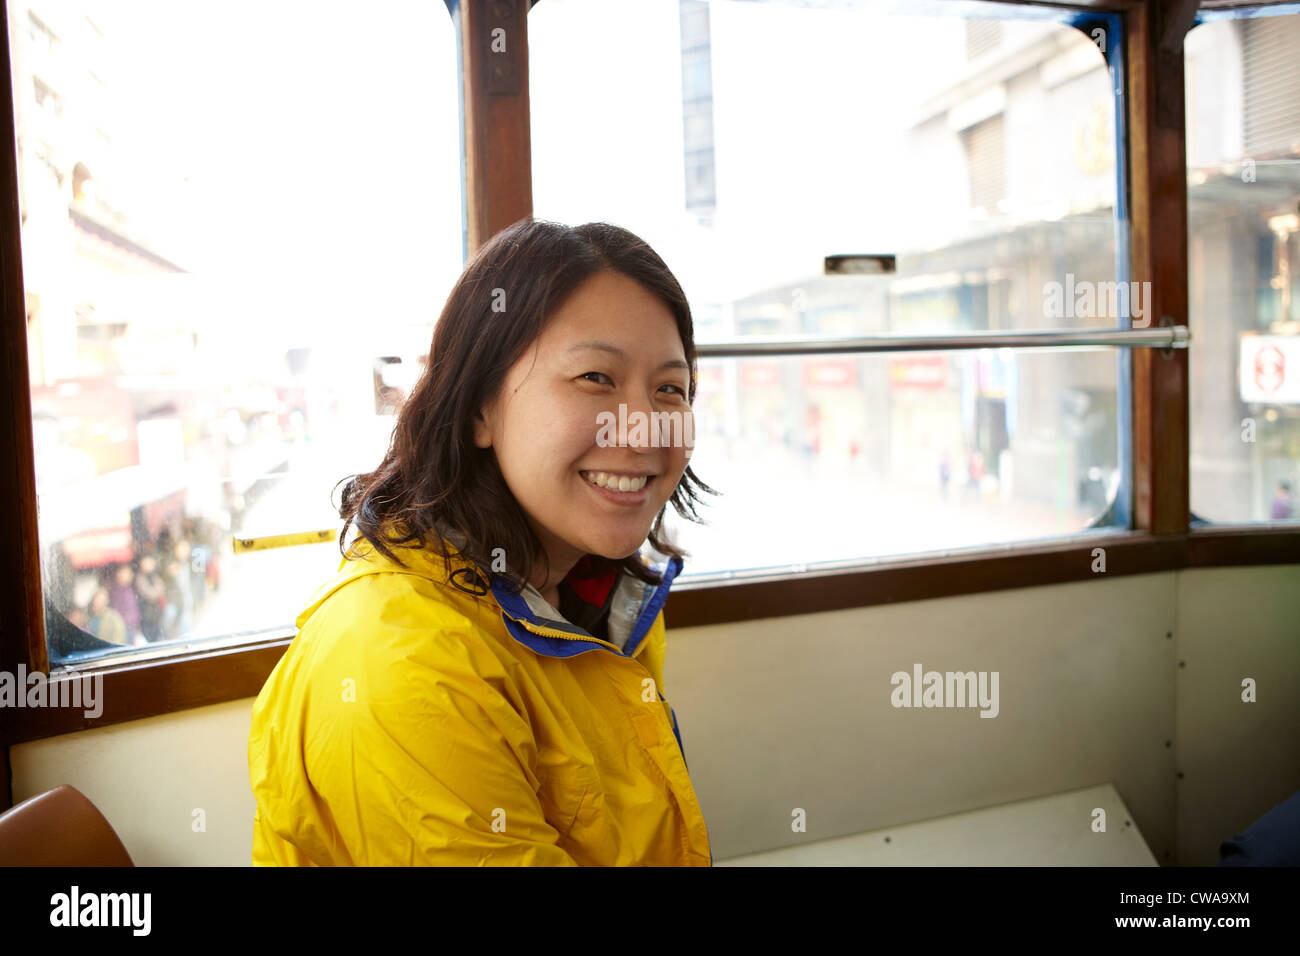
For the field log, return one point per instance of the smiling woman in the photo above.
(542, 426)
(547, 328)
(494, 694)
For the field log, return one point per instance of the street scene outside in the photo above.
(232, 281)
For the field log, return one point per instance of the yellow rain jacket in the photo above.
(410, 722)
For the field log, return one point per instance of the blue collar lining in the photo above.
(516, 613)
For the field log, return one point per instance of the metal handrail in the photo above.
(1167, 337)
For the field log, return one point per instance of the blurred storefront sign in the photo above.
(1269, 370)
(760, 374)
(831, 372)
(93, 519)
(928, 372)
(93, 549)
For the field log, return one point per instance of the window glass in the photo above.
(239, 222)
(1243, 207)
(794, 444)
(980, 153)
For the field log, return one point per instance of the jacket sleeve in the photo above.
(424, 760)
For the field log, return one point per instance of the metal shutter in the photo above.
(1271, 84)
(986, 156)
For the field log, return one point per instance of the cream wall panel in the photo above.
(149, 776)
(1238, 760)
(795, 712)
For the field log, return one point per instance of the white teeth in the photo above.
(616, 482)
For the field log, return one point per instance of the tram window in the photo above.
(796, 465)
(1243, 207)
(981, 152)
(223, 231)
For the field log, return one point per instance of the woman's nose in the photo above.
(642, 424)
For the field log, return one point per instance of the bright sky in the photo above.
(320, 140)
(321, 143)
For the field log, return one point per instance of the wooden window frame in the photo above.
(498, 192)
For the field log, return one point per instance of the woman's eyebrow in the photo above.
(619, 353)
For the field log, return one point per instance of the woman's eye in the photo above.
(587, 375)
(680, 391)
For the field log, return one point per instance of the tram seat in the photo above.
(1057, 830)
(60, 827)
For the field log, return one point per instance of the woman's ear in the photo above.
(482, 430)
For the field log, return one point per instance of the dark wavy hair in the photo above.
(433, 477)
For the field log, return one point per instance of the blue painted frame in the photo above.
(457, 26)
(1112, 25)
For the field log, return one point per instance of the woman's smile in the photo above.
(621, 488)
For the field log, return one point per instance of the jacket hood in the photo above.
(529, 617)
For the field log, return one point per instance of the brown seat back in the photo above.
(59, 828)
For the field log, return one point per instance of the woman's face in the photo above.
(613, 342)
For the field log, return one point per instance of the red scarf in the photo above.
(590, 584)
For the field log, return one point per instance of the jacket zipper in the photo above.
(553, 632)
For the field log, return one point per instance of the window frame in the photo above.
(497, 190)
